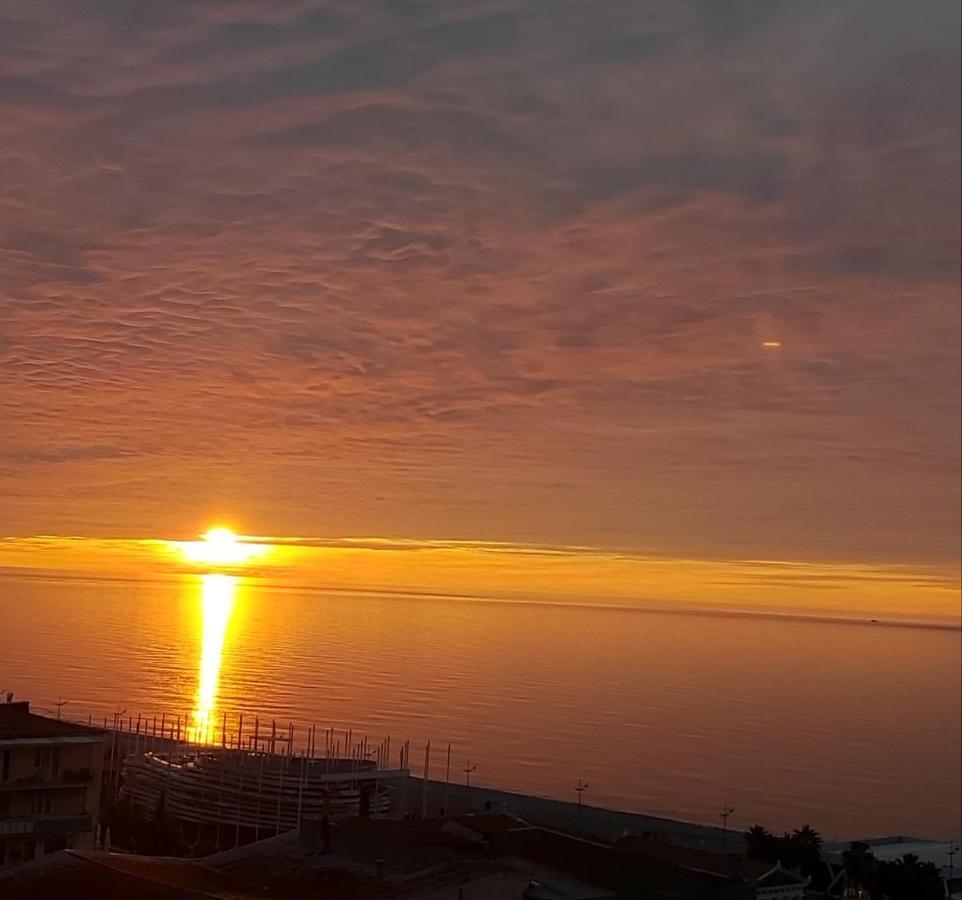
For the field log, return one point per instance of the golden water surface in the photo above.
(854, 728)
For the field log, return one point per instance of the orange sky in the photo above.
(490, 271)
(514, 572)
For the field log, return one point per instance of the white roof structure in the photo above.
(940, 853)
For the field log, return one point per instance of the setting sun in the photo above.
(221, 547)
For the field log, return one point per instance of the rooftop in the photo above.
(720, 865)
(896, 846)
(546, 854)
(18, 723)
(276, 869)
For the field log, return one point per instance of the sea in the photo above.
(852, 727)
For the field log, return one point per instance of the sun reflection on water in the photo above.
(218, 595)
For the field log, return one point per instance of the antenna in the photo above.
(60, 704)
(953, 849)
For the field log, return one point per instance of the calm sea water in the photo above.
(852, 728)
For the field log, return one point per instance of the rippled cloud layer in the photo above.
(484, 269)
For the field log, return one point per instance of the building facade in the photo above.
(50, 778)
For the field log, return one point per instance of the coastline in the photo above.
(561, 815)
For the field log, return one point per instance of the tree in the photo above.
(804, 849)
(801, 849)
(895, 879)
(909, 879)
(762, 844)
(861, 870)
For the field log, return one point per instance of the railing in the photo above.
(46, 779)
(62, 824)
(77, 776)
(19, 825)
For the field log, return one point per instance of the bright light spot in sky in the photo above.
(221, 547)
(772, 345)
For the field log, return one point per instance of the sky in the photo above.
(485, 270)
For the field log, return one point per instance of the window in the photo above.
(40, 804)
(47, 760)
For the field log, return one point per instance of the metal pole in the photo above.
(240, 793)
(725, 813)
(260, 786)
(300, 788)
(424, 782)
(580, 787)
(447, 784)
(280, 796)
(468, 769)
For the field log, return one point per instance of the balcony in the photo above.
(77, 776)
(46, 780)
(17, 825)
(41, 825)
(44, 825)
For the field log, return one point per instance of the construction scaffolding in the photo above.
(253, 791)
(237, 780)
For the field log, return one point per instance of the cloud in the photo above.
(53, 454)
(485, 269)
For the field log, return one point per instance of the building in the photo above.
(765, 880)
(557, 865)
(945, 856)
(273, 869)
(217, 797)
(50, 776)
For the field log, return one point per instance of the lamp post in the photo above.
(468, 769)
(580, 788)
(953, 849)
(726, 811)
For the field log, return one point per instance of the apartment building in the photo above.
(50, 776)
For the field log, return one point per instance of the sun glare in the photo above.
(221, 547)
(218, 594)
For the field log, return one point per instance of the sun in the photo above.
(220, 547)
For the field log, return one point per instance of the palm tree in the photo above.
(806, 845)
(910, 879)
(809, 837)
(861, 869)
(762, 844)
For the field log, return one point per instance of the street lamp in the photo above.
(726, 811)
(468, 769)
(580, 788)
